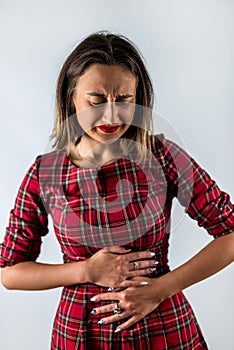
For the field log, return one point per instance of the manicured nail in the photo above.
(101, 321)
(93, 312)
(117, 330)
(152, 269)
(156, 262)
(144, 283)
(152, 254)
(110, 289)
(93, 299)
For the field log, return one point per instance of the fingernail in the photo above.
(117, 330)
(101, 321)
(93, 299)
(152, 254)
(93, 312)
(144, 283)
(156, 262)
(110, 289)
(152, 269)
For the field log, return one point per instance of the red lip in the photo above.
(108, 129)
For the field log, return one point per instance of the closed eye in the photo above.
(97, 103)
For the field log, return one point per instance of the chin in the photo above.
(108, 140)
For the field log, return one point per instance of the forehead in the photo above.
(106, 79)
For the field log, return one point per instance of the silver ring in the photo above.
(117, 309)
(135, 265)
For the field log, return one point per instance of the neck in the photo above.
(95, 152)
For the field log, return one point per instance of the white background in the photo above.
(188, 47)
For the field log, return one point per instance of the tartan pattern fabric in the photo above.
(171, 326)
(93, 208)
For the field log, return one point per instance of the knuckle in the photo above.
(129, 305)
(124, 284)
(121, 270)
(120, 259)
(124, 295)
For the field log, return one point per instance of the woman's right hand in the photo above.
(114, 266)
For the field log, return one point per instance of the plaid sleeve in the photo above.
(202, 198)
(27, 224)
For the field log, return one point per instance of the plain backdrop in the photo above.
(188, 47)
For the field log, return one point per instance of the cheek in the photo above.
(88, 118)
(126, 113)
(80, 104)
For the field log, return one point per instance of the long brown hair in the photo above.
(109, 49)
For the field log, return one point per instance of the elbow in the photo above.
(6, 278)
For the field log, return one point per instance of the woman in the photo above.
(109, 186)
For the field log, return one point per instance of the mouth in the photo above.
(108, 129)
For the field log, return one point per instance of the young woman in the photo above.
(109, 185)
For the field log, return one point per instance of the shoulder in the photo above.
(51, 157)
(49, 166)
(176, 163)
(170, 152)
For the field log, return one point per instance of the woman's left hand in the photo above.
(135, 303)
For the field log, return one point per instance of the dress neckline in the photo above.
(99, 166)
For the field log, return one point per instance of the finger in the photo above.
(142, 272)
(127, 324)
(114, 318)
(118, 250)
(132, 283)
(103, 309)
(138, 265)
(140, 255)
(106, 296)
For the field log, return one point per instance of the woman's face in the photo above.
(104, 100)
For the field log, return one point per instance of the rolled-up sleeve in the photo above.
(28, 222)
(209, 205)
(202, 198)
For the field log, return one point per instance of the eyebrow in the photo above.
(97, 94)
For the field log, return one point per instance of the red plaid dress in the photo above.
(87, 215)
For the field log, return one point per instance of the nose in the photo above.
(110, 114)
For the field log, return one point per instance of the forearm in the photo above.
(211, 259)
(108, 267)
(37, 276)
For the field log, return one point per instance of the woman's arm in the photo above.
(210, 260)
(31, 275)
(138, 302)
(109, 267)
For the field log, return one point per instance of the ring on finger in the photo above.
(135, 265)
(117, 309)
